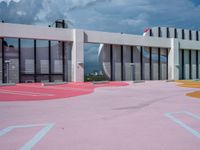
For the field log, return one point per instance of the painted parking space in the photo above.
(191, 124)
(30, 143)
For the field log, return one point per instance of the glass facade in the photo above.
(154, 64)
(139, 63)
(189, 64)
(163, 64)
(42, 57)
(57, 60)
(1, 45)
(29, 60)
(10, 63)
(146, 63)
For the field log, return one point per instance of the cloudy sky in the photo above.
(128, 16)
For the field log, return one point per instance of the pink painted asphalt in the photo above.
(112, 118)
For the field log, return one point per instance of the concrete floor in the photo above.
(154, 115)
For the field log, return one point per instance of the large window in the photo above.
(27, 60)
(1, 43)
(11, 63)
(27, 56)
(146, 63)
(42, 57)
(56, 61)
(155, 69)
(163, 63)
(42, 61)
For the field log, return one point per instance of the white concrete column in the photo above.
(173, 60)
(78, 56)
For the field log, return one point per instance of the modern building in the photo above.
(122, 62)
(36, 54)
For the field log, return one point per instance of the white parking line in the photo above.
(183, 124)
(35, 139)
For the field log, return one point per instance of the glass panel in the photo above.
(180, 65)
(11, 65)
(194, 67)
(163, 63)
(1, 61)
(42, 78)
(146, 63)
(155, 64)
(117, 62)
(68, 60)
(128, 69)
(186, 65)
(198, 64)
(57, 78)
(27, 79)
(42, 57)
(137, 65)
(27, 56)
(56, 57)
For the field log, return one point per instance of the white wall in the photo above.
(171, 32)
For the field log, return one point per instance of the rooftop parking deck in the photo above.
(151, 115)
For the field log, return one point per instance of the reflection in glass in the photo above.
(1, 61)
(27, 56)
(163, 63)
(27, 60)
(56, 57)
(42, 63)
(155, 64)
(146, 63)
(11, 63)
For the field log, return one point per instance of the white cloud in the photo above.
(8, 1)
(133, 22)
(21, 13)
(128, 16)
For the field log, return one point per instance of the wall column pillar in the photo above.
(78, 56)
(173, 60)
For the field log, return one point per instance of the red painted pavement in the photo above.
(36, 91)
